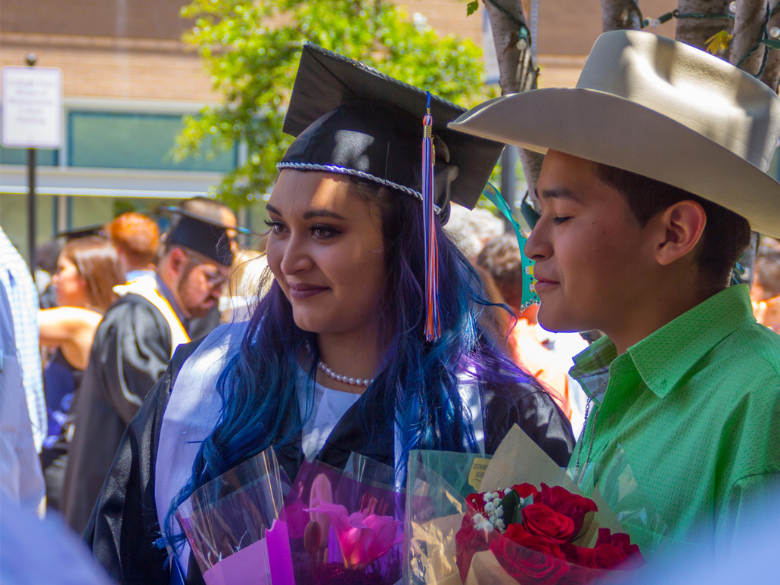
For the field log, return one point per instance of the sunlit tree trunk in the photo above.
(517, 71)
(748, 28)
(772, 69)
(620, 15)
(696, 31)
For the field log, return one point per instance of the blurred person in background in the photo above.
(87, 271)
(22, 540)
(136, 239)
(133, 345)
(21, 481)
(471, 229)
(23, 298)
(548, 356)
(765, 292)
(247, 285)
(220, 213)
(46, 256)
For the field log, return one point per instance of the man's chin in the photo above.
(200, 312)
(552, 320)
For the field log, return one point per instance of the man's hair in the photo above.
(725, 236)
(501, 258)
(137, 236)
(767, 267)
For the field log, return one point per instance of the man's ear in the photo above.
(177, 261)
(680, 226)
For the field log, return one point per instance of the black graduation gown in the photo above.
(130, 353)
(124, 525)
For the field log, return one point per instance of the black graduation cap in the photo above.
(81, 232)
(201, 234)
(351, 119)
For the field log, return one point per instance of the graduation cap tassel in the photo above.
(432, 316)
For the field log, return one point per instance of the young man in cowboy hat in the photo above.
(654, 175)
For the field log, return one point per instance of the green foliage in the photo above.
(251, 49)
(472, 7)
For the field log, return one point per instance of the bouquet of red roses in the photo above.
(533, 535)
(464, 526)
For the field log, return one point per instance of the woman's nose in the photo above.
(296, 256)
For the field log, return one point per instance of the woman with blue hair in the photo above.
(353, 349)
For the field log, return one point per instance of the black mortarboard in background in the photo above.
(351, 119)
(82, 232)
(201, 234)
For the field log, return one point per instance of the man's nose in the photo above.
(537, 246)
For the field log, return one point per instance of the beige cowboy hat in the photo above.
(659, 108)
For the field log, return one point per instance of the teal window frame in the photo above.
(78, 159)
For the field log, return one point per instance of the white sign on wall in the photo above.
(31, 107)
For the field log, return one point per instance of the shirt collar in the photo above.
(665, 356)
(591, 367)
(168, 295)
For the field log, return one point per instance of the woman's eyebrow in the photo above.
(273, 209)
(321, 213)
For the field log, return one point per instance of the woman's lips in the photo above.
(543, 284)
(304, 291)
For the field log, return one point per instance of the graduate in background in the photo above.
(87, 271)
(132, 347)
(136, 238)
(336, 358)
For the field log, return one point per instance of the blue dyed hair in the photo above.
(417, 385)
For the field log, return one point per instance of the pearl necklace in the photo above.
(344, 379)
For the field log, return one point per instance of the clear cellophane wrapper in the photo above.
(345, 527)
(439, 482)
(232, 524)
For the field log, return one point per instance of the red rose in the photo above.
(566, 503)
(614, 551)
(468, 542)
(580, 576)
(543, 521)
(524, 490)
(528, 558)
(476, 501)
(578, 554)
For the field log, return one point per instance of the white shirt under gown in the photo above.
(194, 407)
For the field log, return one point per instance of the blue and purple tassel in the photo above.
(432, 314)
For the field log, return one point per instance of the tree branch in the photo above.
(620, 15)
(517, 71)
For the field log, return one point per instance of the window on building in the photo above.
(133, 141)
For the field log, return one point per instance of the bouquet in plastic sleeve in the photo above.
(526, 521)
(233, 528)
(345, 526)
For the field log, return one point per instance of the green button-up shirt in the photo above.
(694, 410)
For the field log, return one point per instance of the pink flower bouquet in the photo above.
(352, 530)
